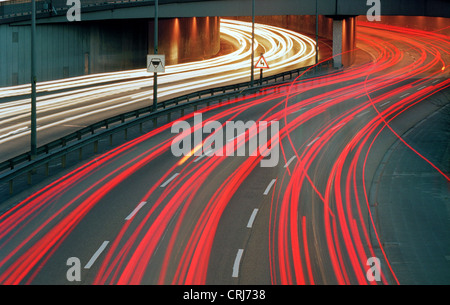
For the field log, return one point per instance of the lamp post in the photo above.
(33, 81)
(155, 74)
(252, 69)
(317, 34)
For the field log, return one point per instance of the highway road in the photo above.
(64, 106)
(140, 214)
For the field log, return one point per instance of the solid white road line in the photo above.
(269, 186)
(237, 262)
(168, 181)
(96, 255)
(252, 218)
(140, 205)
(290, 160)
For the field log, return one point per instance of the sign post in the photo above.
(261, 64)
(155, 74)
(253, 44)
(317, 35)
(33, 81)
(155, 63)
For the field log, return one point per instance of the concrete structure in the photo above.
(80, 48)
(138, 9)
(117, 35)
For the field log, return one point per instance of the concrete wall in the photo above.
(79, 48)
(60, 52)
(67, 50)
(186, 39)
(115, 46)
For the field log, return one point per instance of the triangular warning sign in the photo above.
(261, 63)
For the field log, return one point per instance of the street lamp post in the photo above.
(33, 81)
(253, 45)
(317, 33)
(155, 74)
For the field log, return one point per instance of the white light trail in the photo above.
(283, 49)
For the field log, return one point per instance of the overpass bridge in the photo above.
(54, 10)
(117, 35)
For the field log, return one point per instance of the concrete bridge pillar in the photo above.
(344, 40)
(337, 43)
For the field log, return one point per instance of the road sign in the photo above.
(156, 63)
(261, 63)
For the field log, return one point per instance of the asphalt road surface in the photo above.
(141, 214)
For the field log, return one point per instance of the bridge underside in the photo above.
(118, 36)
(221, 8)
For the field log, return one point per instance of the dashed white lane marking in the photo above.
(337, 126)
(252, 218)
(313, 141)
(300, 110)
(96, 255)
(290, 160)
(168, 181)
(208, 153)
(269, 186)
(363, 113)
(237, 262)
(405, 95)
(140, 205)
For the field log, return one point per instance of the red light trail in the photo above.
(320, 216)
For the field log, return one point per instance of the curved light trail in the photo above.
(319, 225)
(87, 96)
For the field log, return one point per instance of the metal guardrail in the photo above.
(46, 8)
(91, 135)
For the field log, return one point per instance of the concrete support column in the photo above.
(337, 42)
(344, 40)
